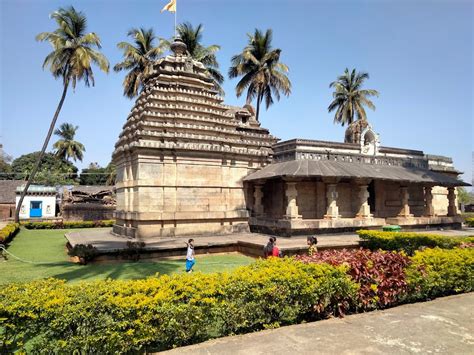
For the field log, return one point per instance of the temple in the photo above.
(315, 186)
(189, 165)
(182, 155)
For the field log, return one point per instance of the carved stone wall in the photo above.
(182, 155)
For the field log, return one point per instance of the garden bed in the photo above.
(168, 311)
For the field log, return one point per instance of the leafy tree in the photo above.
(5, 167)
(350, 98)
(111, 174)
(66, 147)
(464, 197)
(192, 37)
(263, 75)
(94, 174)
(138, 59)
(71, 59)
(53, 171)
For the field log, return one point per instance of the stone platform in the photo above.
(110, 247)
(251, 244)
(300, 226)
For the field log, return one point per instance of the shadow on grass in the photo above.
(128, 270)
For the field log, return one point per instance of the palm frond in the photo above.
(348, 97)
(263, 75)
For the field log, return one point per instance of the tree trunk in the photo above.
(45, 145)
(259, 99)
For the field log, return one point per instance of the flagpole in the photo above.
(175, 14)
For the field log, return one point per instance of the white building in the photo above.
(39, 202)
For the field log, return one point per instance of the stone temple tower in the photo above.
(182, 155)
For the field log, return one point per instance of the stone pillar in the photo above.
(452, 210)
(258, 196)
(331, 196)
(429, 208)
(292, 207)
(364, 209)
(404, 196)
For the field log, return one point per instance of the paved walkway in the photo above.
(443, 326)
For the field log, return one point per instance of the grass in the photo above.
(48, 247)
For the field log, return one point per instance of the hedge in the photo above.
(380, 274)
(470, 221)
(160, 313)
(437, 272)
(163, 312)
(68, 224)
(408, 242)
(8, 232)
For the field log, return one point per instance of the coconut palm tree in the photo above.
(74, 52)
(138, 59)
(350, 98)
(263, 75)
(192, 37)
(66, 147)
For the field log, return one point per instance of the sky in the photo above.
(419, 55)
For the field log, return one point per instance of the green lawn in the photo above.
(49, 246)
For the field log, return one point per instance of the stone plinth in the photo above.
(286, 227)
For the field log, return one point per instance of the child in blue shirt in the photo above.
(190, 256)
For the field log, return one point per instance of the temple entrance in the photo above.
(371, 199)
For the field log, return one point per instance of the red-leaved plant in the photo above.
(380, 274)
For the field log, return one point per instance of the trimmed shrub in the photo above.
(133, 250)
(164, 312)
(437, 272)
(8, 232)
(68, 224)
(408, 242)
(380, 274)
(470, 221)
(85, 253)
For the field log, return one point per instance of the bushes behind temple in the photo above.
(8, 232)
(470, 221)
(68, 224)
(408, 242)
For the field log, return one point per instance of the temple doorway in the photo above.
(371, 199)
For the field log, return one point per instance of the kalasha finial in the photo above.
(178, 46)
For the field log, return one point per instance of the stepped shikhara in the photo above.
(182, 155)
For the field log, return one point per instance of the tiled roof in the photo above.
(91, 189)
(328, 168)
(7, 190)
(37, 189)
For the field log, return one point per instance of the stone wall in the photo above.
(7, 210)
(306, 199)
(87, 212)
(168, 196)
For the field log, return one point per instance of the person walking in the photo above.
(190, 261)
